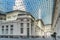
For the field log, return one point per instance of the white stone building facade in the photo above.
(39, 28)
(17, 23)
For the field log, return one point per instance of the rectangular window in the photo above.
(22, 19)
(6, 26)
(10, 36)
(21, 25)
(28, 25)
(11, 25)
(6, 36)
(6, 31)
(2, 36)
(2, 27)
(2, 31)
(32, 29)
(11, 31)
(21, 30)
(27, 32)
(27, 19)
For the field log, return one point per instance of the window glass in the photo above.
(21, 30)
(6, 26)
(27, 32)
(2, 36)
(6, 31)
(11, 31)
(6, 36)
(27, 24)
(21, 25)
(22, 19)
(2, 31)
(11, 25)
(27, 19)
(11, 36)
(2, 26)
